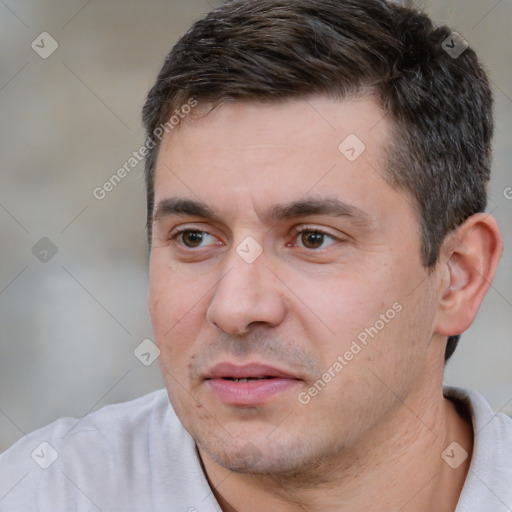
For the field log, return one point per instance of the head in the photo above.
(441, 107)
(261, 91)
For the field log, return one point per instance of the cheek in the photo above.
(176, 305)
(361, 317)
(342, 307)
(171, 291)
(176, 330)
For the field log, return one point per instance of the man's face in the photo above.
(292, 311)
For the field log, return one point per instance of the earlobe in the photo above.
(470, 256)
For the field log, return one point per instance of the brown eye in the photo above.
(192, 239)
(312, 239)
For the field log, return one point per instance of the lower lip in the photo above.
(254, 392)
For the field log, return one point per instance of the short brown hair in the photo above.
(439, 103)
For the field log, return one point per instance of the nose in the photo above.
(247, 295)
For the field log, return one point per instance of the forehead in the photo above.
(314, 122)
(242, 154)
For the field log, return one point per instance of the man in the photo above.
(316, 176)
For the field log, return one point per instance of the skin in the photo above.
(372, 438)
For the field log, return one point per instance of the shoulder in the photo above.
(112, 459)
(489, 481)
(488, 426)
(111, 425)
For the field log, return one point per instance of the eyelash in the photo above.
(181, 231)
(295, 233)
(309, 229)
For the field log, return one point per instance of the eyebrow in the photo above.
(304, 207)
(182, 206)
(328, 206)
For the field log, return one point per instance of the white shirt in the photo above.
(137, 456)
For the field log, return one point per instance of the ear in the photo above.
(469, 258)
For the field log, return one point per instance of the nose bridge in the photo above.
(242, 279)
(247, 292)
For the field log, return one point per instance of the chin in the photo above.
(261, 458)
(254, 463)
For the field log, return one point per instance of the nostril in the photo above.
(257, 323)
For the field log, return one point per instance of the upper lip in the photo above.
(230, 370)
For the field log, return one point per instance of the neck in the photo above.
(397, 466)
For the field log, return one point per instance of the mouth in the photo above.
(249, 385)
(247, 379)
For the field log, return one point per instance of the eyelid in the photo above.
(297, 230)
(185, 228)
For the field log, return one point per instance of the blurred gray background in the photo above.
(70, 321)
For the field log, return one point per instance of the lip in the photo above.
(252, 393)
(230, 370)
